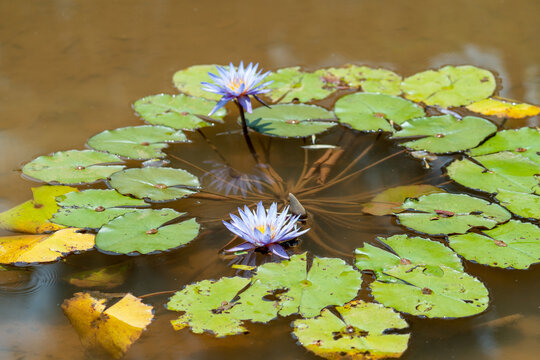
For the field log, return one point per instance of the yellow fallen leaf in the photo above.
(112, 330)
(43, 248)
(33, 216)
(504, 108)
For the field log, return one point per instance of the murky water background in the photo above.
(70, 69)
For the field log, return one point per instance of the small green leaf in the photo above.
(189, 81)
(521, 204)
(379, 81)
(291, 83)
(389, 201)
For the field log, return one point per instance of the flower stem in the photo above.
(245, 131)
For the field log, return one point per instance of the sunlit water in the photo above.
(71, 69)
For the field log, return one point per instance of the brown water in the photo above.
(70, 69)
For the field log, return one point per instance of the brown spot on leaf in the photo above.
(292, 121)
(184, 113)
(484, 79)
(99, 209)
(380, 115)
(80, 167)
(520, 149)
(152, 231)
(444, 213)
(500, 243)
(404, 261)
(439, 135)
(427, 291)
(38, 206)
(160, 186)
(145, 143)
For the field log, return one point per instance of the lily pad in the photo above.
(379, 81)
(441, 214)
(73, 167)
(137, 142)
(157, 184)
(521, 204)
(362, 331)
(33, 216)
(189, 81)
(389, 201)
(447, 293)
(106, 277)
(43, 248)
(143, 231)
(93, 208)
(375, 112)
(512, 245)
(176, 111)
(498, 171)
(524, 141)
(290, 120)
(504, 108)
(293, 84)
(450, 86)
(445, 134)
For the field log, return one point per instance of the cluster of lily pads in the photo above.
(452, 110)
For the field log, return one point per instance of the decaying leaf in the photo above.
(504, 108)
(106, 277)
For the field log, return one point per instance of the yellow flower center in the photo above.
(262, 229)
(235, 84)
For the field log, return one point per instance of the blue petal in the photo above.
(245, 102)
(278, 250)
(242, 247)
(220, 104)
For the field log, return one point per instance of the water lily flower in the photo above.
(237, 85)
(262, 228)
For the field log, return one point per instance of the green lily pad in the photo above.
(521, 204)
(73, 167)
(362, 331)
(292, 84)
(379, 81)
(142, 231)
(524, 141)
(389, 201)
(450, 86)
(156, 184)
(290, 120)
(441, 214)
(136, 142)
(445, 134)
(189, 81)
(447, 293)
(500, 171)
(511, 245)
(406, 250)
(375, 112)
(176, 111)
(93, 208)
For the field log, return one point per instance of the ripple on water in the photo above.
(25, 281)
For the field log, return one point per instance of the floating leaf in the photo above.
(504, 108)
(43, 248)
(445, 134)
(511, 245)
(498, 171)
(375, 112)
(439, 214)
(176, 111)
(157, 184)
(362, 331)
(189, 81)
(389, 201)
(144, 231)
(93, 208)
(290, 120)
(292, 84)
(450, 86)
(446, 293)
(380, 81)
(73, 167)
(524, 141)
(111, 329)
(136, 142)
(521, 204)
(107, 277)
(33, 216)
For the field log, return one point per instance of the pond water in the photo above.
(70, 69)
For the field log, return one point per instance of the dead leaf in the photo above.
(107, 277)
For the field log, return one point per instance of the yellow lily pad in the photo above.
(504, 108)
(33, 216)
(112, 330)
(43, 248)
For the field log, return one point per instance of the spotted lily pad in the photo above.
(33, 216)
(290, 120)
(498, 171)
(375, 112)
(144, 231)
(176, 111)
(93, 208)
(511, 245)
(73, 167)
(157, 184)
(293, 84)
(504, 108)
(445, 134)
(440, 214)
(137, 142)
(389, 201)
(379, 81)
(521, 204)
(450, 86)
(362, 331)
(189, 81)
(446, 293)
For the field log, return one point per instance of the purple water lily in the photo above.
(237, 85)
(262, 228)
